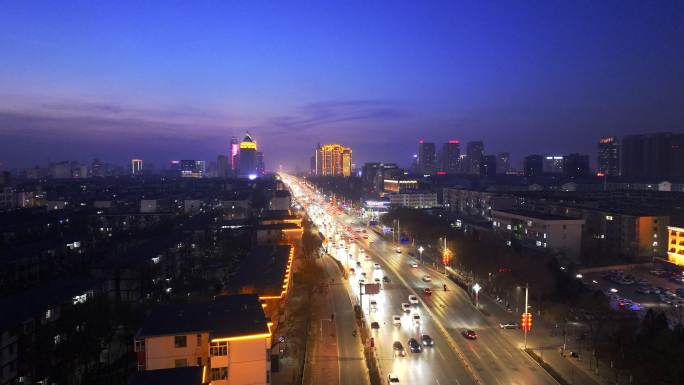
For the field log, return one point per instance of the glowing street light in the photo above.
(420, 250)
(476, 289)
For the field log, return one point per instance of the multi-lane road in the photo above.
(492, 358)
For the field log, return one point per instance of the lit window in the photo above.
(218, 348)
(655, 243)
(219, 374)
(508, 227)
(539, 243)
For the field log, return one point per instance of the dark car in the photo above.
(375, 325)
(414, 346)
(470, 334)
(385, 279)
(427, 291)
(398, 349)
(427, 340)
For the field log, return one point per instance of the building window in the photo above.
(199, 340)
(180, 341)
(609, 217)
(181, 362)
(219, 348)
(219, 374)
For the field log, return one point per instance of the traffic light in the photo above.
(526, 322)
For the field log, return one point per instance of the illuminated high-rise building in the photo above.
(333, 160)
(608, 159)
(136, 166)
(427, 162)
(247, 165)
(234, 151)
(192, 168)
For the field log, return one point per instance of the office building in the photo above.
(136, 166)
(333, 160)
(229, 337)
(223, 167)
(503, 163)
(414, 200)
(399, 184)
(192, 168)
(488, 166)
(552, 164)
(576, 165)
(534, 165)
(97, 169)
(675, 245)
(475, 152)
(234, 153)
(261, 166)
(451, 152)
(653, 156)
(427, 162)
(247, 157)
(608, 160)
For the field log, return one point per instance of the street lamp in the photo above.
(420, 250)
(476, 289)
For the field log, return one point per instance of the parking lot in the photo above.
(639, 289)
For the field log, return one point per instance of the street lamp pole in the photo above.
(525, 311)
(420, 251)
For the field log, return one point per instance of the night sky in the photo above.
(163, 80)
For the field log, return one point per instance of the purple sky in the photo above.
(130, 79)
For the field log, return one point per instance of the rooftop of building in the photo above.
(262, 271)
(278, 226)
(191, 375)
(535, 215)
(225, 317)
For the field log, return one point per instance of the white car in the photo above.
(398, 250)
(392, 379)
(376, 266)
(416, 319)
(396, 320)
(373, 305)
(427, 278)
(414, 265)
(406, 307)
(413, 299)
(362, 281)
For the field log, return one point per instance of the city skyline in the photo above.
(377, 82)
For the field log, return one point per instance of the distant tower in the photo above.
(247, 156)
(451, 152)
(475, 151)
(427, 162)
(609, 156)
(136, 166)
(234, 151)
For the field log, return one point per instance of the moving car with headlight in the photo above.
(470, 334)
(427, 340)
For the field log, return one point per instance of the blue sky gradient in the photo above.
(169, 80)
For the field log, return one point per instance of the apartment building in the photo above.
(416, 200)
(541, 232)
(229, 337)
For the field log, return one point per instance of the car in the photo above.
(655, 290)
(392, 379)
(375, 325)
(414, 346)
(367, 257)
(427, 291)
(365, 236)
(398, 349)
(427, 340)
(362, 281)
(363, 274)
(508, 325)
(416, 319)
(376, 266)
(396, 320)
(358, 264)
(469, 334)
(414, 265)
(406, 307)
(385, 279)
(373, 304)
(398, 250)
(413, 299)
(427, 278)
(352, 270)
(376, 280)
